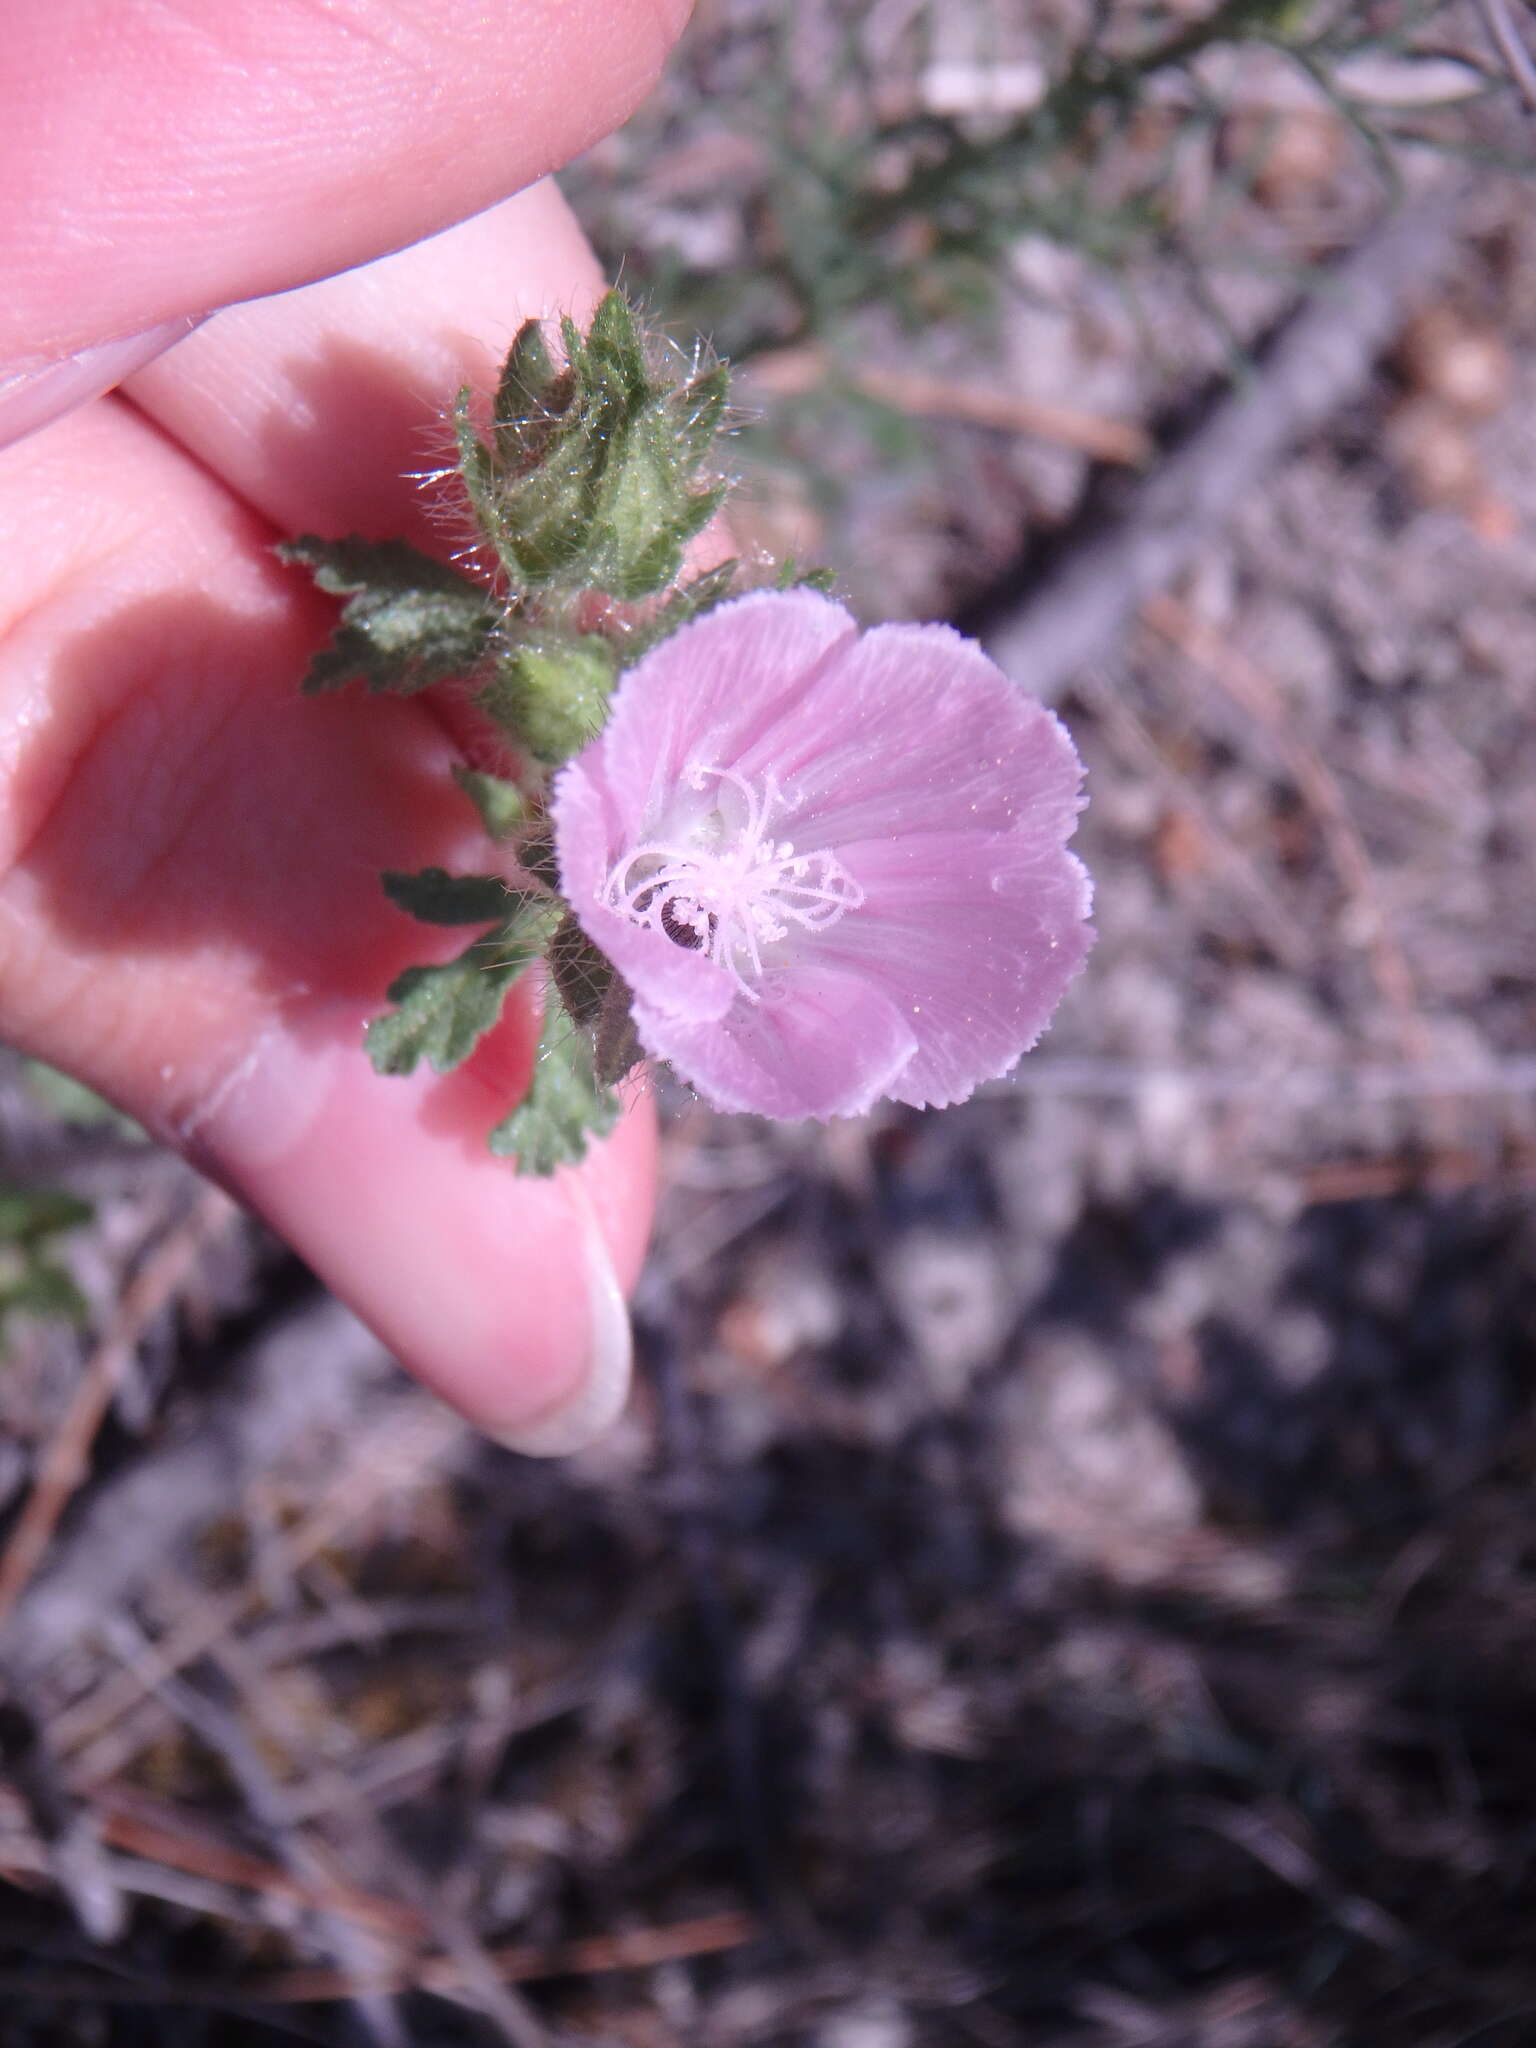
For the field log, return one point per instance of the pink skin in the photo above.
(190, 918)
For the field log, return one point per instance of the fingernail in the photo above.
(34, 395)
(598, 1401)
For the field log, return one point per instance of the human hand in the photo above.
(190, 917)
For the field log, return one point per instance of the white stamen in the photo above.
(727, 889)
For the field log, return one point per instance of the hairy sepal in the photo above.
(549, 691)
(594, 477)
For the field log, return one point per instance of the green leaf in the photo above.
(40, 1289)
(501, 804)
(437, 897)
(408, 621)
(31, 1282)
(443, 1012)
(565, 1105)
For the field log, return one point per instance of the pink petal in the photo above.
(913, 729)
(975, 936)
(942, 793)
(687, 983)
(826, 1043)
(711, 691)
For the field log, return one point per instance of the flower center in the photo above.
(724, 886)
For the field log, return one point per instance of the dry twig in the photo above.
(63, 1463)
(410, 1438)
(1510, 44)
(640, 1948)
(790, 372)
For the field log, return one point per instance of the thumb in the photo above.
(190, 920)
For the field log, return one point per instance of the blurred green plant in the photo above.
(32, 1280)
(918, 210)
(73, 1103)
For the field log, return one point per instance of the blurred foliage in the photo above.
(73, 1103)
(870, 190)
(32, 1281)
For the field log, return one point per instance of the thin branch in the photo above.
(640, 1948)
(1510, 44)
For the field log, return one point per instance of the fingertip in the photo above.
(502, 1293)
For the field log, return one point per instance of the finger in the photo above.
(323, 407)
(190, 920)
(187, 156)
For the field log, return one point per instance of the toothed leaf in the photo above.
(566, 1105)
(407, 621)
(443, 1012)
(437, 897)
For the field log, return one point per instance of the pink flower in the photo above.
(830, 865)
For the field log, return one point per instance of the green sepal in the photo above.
(792, 577)
(408, 621)
(478, 470)
(530, 396)
(593, 475)
(616, 1047)
(549, 691)
(536, 518)
(565, 1105)
(597, 998)
(535, 854)
(443, 1012)
(699, 409)
(581, 973)
(500, 802)
(689, 601)
(436, 897)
